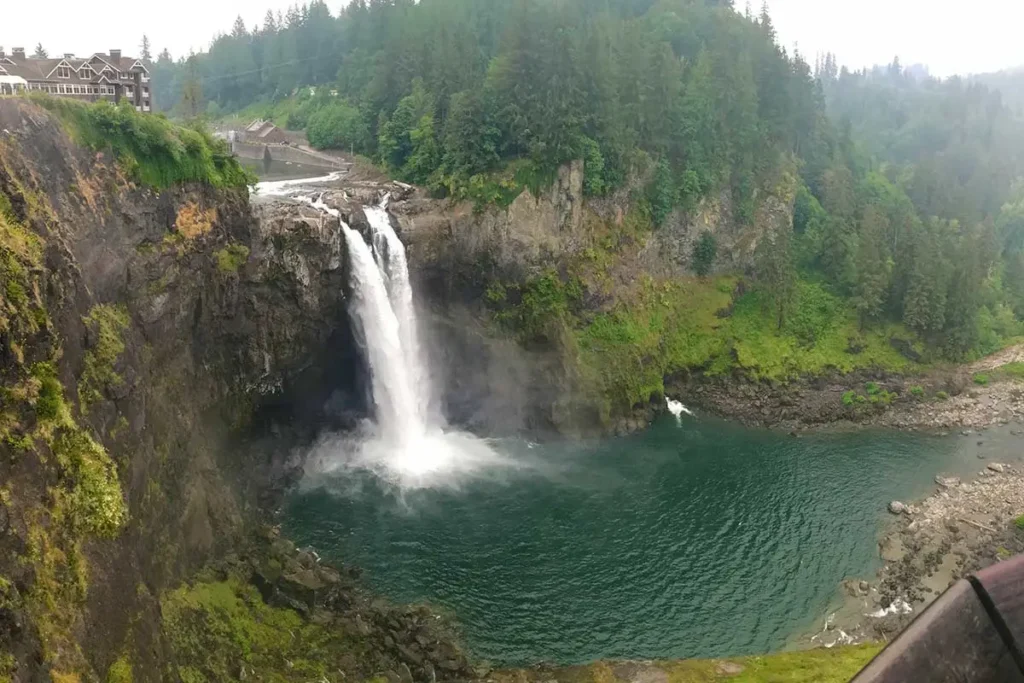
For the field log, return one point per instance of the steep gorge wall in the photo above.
(145, 338)
(605, 248)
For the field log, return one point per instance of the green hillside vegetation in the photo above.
(908, 225)
(836, 665)
(149, 149)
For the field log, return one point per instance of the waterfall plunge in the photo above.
(409, 444)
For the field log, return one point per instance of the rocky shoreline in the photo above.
(962, 527)
(945, 399)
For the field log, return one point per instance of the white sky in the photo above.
(950, 36)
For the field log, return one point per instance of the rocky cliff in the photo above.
(161, 353)
(516, 292)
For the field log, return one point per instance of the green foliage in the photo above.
(120, 671)
(981, 379)
(1011, 371)
(704, 253)
(849, 398)
(95, 503)
(50, 402)
(776, 276)
(337, 125)
(917, 391)
(1019, 522)
(904, 187)
(231, 258)
(941, 395)
(214, 628)
(872, 388)
(661, 193)
(106, 323)
(150, 149)
(535, 307)
(817, 665)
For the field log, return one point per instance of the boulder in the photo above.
(996, 467)
(898, 508)
(947, 482)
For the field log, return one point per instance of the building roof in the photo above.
(33, 69)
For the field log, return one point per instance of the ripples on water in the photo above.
(702, 541)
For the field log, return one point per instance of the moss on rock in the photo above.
(107, 324)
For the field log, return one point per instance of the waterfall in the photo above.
(409, 446)
(389, 253)
(394, 392)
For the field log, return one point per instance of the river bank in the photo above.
(973, 396)
(964, 526)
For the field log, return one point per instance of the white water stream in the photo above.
(408, 443)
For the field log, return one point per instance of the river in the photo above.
(694, 539)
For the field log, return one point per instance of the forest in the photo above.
(910, 205)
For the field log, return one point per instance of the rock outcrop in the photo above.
(160, 350)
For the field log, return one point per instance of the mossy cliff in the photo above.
(600, 312)
(149, 331)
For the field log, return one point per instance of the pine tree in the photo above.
(40, 52)
(192, 90)
(873, 266)
(775, 274)
(269, 23)
(144, 50)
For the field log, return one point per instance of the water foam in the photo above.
(677, 409)
(408, 444)
(281, 188)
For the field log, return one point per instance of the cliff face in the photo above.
(512, 291)
(146, 337)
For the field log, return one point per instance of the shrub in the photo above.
(107, 323)
(1019, 522)
(917, 391)
(337, 126)
(872, 388)
(849, 398)
(941, 395)
(231, 258)
(981, 379)
(1014, 370)
(149, 149)
(704, 253)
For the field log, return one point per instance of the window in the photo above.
(63, 72)
(86, 72)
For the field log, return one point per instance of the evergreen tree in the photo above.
(40, 52)
(775, 274)
(873, 266)
(192, 91)
(704, 252)
(145, 53)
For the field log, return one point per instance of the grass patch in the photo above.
(981, 379)
(941, 396)
(1019, 522)
(835, 665)
(148, 148)
(664, 327)
(1013, 371)
(120, 671)
(917, 391)
(217, 627)
(107, 323)
(231, 258)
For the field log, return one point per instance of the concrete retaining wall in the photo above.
(258, 152)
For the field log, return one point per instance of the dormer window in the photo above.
(63, 72)
(87, 73)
